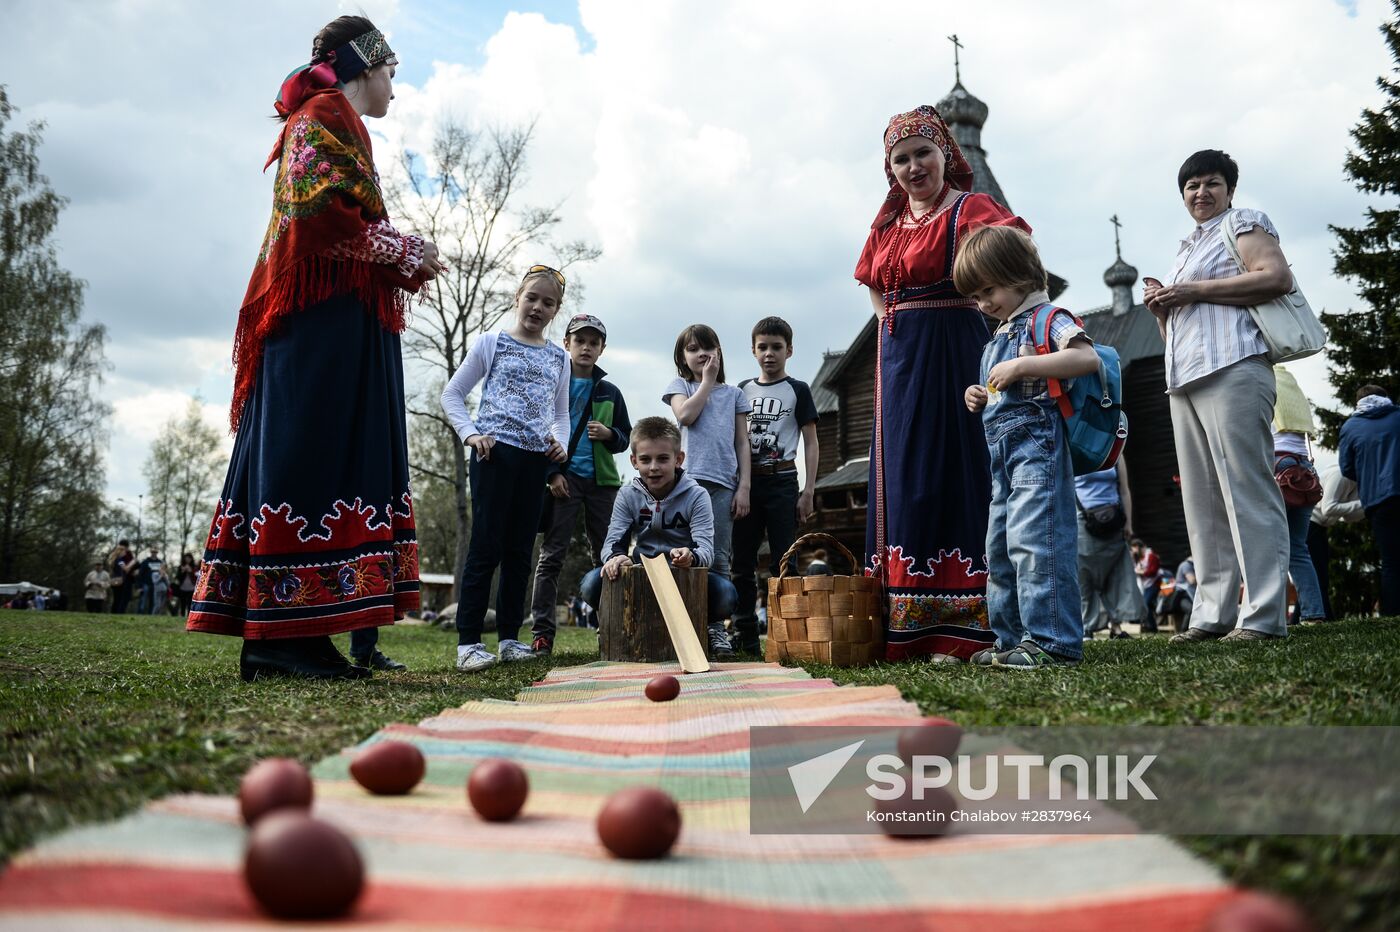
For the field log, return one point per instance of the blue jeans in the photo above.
(1300, 565)
(721, 500)
(1032, 532)
(720, 593)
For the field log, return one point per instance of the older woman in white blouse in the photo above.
(1221, 390)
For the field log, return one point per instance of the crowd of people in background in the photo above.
(123, 584)
(37, 600)
(1364, 485)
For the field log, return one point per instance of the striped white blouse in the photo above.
(1204, 338)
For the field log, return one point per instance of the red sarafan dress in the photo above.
(314, 532)
(926, 526)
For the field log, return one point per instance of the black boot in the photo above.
(325, 648)
(377, 661)
(307, 658)
(744, 637)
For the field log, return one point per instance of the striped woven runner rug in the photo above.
(582, 733)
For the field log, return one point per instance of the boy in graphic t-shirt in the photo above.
(781, 412)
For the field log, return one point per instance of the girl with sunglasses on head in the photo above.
(521, 425)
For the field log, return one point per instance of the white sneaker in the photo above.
(512, 651)
(473, 657)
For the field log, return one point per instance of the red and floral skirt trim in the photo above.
(281, 576)
(937, 608)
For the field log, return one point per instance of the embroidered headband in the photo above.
(921, 121)
(924, 121)
(341, 66)
(359, 54)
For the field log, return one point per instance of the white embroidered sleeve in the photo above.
(380, 242)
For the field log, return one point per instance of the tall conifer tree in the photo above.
(1364, 343)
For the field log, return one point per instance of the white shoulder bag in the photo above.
(1290, 328)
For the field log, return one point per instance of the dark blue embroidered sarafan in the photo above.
(930, 482)
(314, 532)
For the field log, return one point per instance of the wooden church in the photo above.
(843, 389)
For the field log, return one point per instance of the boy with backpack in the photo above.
(1032, 529)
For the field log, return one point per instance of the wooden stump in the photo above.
(630, 626)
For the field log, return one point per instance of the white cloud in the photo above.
(730, 160)
(726, 156)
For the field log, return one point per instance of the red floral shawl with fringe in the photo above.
(326, 192)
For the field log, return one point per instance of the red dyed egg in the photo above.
(298, 867)
(663, 688)
(497, 789)
(1258, 912)
(933, 737)
(389, 768)
(639, 823)
(275, 783)
(907, 817)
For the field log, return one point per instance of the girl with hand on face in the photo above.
(520, 426)
(714, 425)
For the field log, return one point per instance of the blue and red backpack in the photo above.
(1092, 408)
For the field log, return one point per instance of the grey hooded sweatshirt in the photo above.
(683, 518)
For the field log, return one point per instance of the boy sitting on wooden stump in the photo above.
(669, 514)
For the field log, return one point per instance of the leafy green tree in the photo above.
(1364, 343)
(52, 421)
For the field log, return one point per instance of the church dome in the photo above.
(959, 106)
(1120, 273)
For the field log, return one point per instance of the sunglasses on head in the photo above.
(536, 269)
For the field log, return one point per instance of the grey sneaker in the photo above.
(720, 648)
(1248, 634)
(1194, 634)
(1031, 656)
(473, 657)
(512, 651)
(984, 657)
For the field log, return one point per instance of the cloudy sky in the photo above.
(724, 155)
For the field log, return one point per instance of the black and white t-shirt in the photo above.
(777, 413)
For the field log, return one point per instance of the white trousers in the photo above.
(1234, 511)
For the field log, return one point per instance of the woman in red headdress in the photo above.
(313, 534)
(926, 526)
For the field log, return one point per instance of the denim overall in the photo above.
(1032, 528)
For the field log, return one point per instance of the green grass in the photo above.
(1346, 673)
(101, 713)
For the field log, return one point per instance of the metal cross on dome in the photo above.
(957, 69)
(1116, 225)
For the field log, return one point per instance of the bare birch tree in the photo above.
(182, 472)
(466, 198)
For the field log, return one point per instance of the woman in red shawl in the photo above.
(313, 534)
(926, 527)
